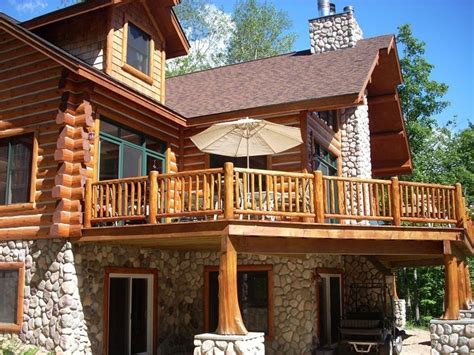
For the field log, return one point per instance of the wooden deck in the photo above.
(194, 209)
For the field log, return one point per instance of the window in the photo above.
(257, 162)
(15, 169)
(11, 298)
(125, 153)
(255, 293)
(325, 161)
(138, 49)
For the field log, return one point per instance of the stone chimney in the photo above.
(334, 31)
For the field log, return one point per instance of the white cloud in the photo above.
(28, 5)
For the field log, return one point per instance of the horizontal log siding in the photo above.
(86, 40)
(138, 15)
(29, 99)
(290, 160)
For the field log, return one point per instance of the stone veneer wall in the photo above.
(334, 32)
(53, 316)
(64, 293)
(452, 336)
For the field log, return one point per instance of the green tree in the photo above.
(208, 30)
(260, 31)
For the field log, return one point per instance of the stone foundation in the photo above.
(400, 313)
(214, 344)
(452, 337)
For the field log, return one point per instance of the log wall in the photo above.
(29, 99)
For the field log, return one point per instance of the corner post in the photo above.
(467, 275)
(230, 318)
(451, 288)
(459, 205)
(462, 286)
(88, 204)
(229, 190)
(318, 197)
(395, 201)
(153, 198)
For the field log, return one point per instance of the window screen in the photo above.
(138, 49)
(8, 296)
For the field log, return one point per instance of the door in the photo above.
(130, 316)
(330, 308)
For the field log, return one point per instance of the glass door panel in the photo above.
(154, 163)
(109, 160)
(132, 161)
(118, 316)
(139, 316)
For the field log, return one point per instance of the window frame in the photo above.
(148, 78)
(20, 267)
(122, 142)
(261, 267)
(30, 203)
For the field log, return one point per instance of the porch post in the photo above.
(230, 318)
(467, 275)
(462, 286)
(451, 288)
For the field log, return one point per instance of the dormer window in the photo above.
(138, 50)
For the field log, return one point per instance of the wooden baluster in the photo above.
(333, 196)
(275, 193)
(120, 200)
(228, 190)
(219, 191)
(389, 201)
(451, 288)
(88, 203)
(107, 200)
(422, 199)
(252, 187)
(153, 197)
(190, 193)
(384, 209)
(212, 188)
(312, 194)
(205, 191)
(139, 197)
(428, 202)
(174, 183)
(125, 205)
(377, 201)
(94, 201)
(371, 199)
(237, 189)
(282, 189)
(364, 199)
(319, 196)
(198, 183)
(132, 198)
(101, 199)
(395, 191)
(162, 195)
(260, 193)
(297, 194)
(340, 197)
(144, 191)
(438, 196)
(246, 189)
(450, 204)
(326, 195)
(444, 204)
(306, 198)
(268, 188)
(290, 193)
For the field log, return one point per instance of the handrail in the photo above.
(238, 193)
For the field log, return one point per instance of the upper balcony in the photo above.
(199, 205)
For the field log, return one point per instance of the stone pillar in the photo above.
(400, 313)
(334, 32)
(210, 344)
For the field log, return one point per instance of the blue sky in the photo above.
(447, 27)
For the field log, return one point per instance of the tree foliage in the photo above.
(440, 154)
(260, 31)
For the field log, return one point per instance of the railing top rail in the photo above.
(353, 179)
(424, 184)
(192, 172)
(117, 181)
(273, 173)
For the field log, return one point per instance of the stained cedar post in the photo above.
(230, 318)
(395, 201)
(318, 197)
(467, 275)
(451, 288)
(88, 204)
(153, 198)
(462, 286)
(229, 190)
(459, 205)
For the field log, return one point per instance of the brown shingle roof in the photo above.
(287, 78)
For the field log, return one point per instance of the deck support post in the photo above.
(467, 275)
(463, 298)
(153, 198)
(318, 197)
(229, 190)
(395, 201)
(88, 204)
(230, 318)
(451, 288)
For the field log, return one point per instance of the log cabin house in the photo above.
(118, 236)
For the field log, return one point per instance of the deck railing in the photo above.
(236, 193)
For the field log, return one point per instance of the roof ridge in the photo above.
(275, 56)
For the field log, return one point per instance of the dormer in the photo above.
(129, 40)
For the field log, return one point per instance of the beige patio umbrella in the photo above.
(247, 137)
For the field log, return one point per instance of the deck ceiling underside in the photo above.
(395, 246)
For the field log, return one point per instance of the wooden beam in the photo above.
(462, 289)
(380, 99)
(259, 245)
(417, 262)
(451, 288)
(230, 318)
